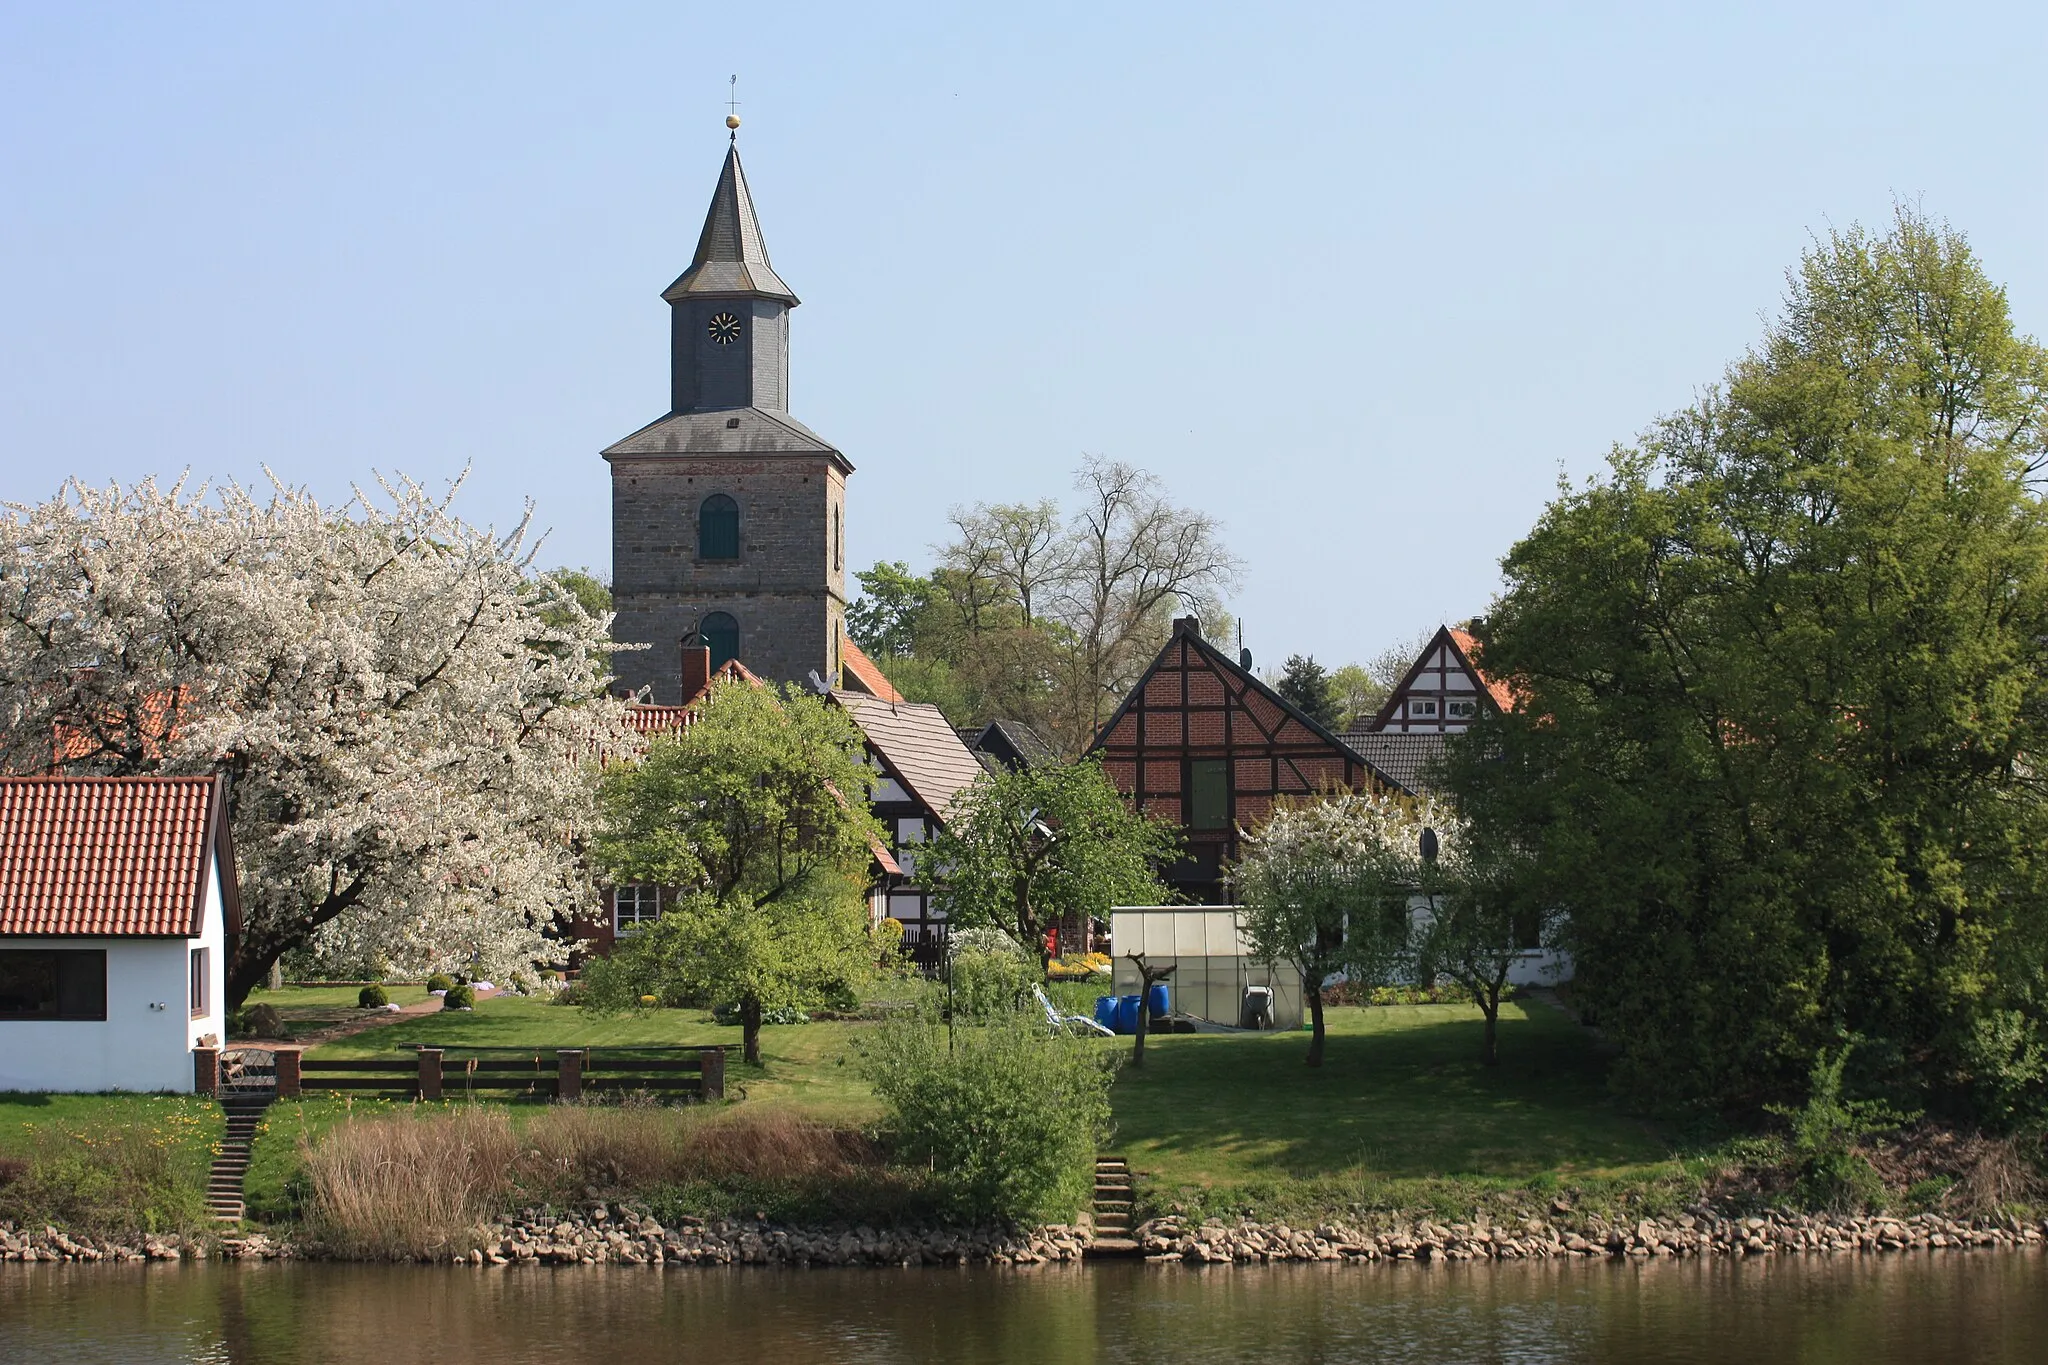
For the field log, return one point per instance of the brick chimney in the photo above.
(696, 670)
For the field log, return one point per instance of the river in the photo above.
(1957, 1309)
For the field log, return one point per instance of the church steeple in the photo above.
(729, 312)
(731, 259)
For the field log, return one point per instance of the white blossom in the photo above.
(407, 714)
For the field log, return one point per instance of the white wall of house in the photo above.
(146, 1040)
(1531, 967)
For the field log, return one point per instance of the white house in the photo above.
(116, 898)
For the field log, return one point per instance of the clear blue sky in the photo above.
(1360, 279)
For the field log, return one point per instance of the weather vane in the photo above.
(732, 107)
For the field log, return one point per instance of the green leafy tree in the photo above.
(1786, 701)
(1325, 885)
(756, 815)
(1359, 695)
(892, 612)
(1308, 685)
(1483, 905)
(1030, 846)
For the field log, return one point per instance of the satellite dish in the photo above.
(1244, 660)
(1429, 845)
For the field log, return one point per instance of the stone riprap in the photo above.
(1698, 1233)
(604, 1234)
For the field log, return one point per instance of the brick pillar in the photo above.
(569, 1074)
(206, 1071)
(430, 1073)
(696, 670)
(712, 1060)
(287, 1062)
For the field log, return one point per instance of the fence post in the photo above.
(569, 1074)
(206, 1071)
(711, 1064)
(430, 1073)
(286, 1060)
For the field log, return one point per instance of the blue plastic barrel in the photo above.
(1160, 1006)
(1105, 1011)
(1127, 1014)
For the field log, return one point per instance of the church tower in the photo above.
(728, 515)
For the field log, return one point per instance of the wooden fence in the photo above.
(564, 1073)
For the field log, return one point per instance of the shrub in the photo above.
(989, 982)
(372, 997)
(1826, 1130)
(772, 1014)
(459, 998)
(440, 981)
(1009, 1118)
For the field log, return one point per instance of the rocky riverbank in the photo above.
(1701, 1232)
(616, 1234)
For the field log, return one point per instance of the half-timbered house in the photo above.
(923, 769)
(1443, 691)
(1200, 741)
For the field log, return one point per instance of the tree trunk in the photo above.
(1148, 977)
(1490, 1049)
(750, 1031)
(1314, 991)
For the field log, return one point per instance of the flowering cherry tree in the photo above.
(409, 717)
(1325, 884)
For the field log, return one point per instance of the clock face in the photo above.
(725, 329)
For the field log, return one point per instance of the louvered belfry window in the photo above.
(721, 635)
(718, 528)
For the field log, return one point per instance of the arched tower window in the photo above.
(718, 529)
(721, 635)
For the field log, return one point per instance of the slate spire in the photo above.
(731, 259)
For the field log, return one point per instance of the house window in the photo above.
(1209, 793)
(838, 542)
(633, 906)
(718, 528)
(201, 994)
(1461, 708)
(721, 635)
(47, 983)
(1420, 708)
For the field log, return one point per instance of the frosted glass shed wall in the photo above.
(1211, 961)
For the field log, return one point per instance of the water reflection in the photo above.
(1982, 1308)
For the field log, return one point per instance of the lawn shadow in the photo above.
(1404, 1083)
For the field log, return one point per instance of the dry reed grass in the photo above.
(406, 1187)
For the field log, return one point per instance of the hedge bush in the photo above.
(372, 997)
(458, 998)
(1008, 1117)
(440, 981)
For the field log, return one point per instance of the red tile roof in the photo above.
(1502, 696)
(111, 855)
(862, 674)
(76, 740)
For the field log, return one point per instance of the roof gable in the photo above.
(1461, 649)
(864, 674)
(113, 856)
(919, 747)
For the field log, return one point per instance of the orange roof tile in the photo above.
(1503, 696)
(110, 855)
(75, 740)
(863, 673)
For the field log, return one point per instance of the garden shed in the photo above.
(1213, 965)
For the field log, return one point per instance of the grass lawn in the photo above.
(330, 998)
(1400, 1103)
(107, 1163)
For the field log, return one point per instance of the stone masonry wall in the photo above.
(785, 590)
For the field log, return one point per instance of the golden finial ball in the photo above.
(732, 120)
